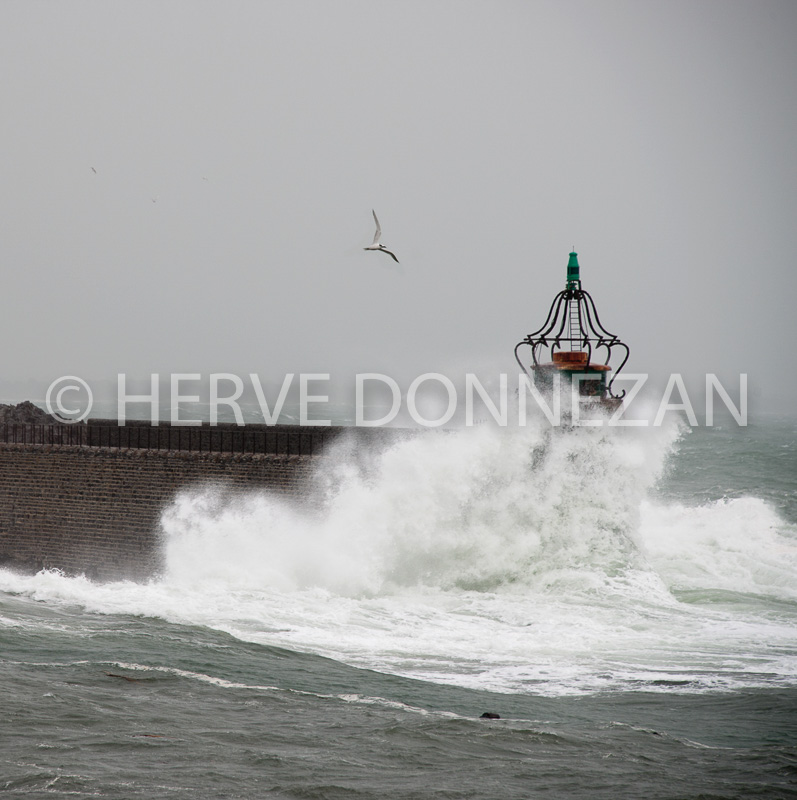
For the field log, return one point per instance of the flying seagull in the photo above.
(376, 245)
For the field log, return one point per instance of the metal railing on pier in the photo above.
(271, 440)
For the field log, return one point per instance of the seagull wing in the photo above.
(392, 255)
(378, 234)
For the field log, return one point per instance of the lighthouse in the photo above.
(576, 344)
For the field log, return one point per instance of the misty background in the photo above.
(187, 186)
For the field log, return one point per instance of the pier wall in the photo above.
(96, 510)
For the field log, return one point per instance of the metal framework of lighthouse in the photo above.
(573, 336)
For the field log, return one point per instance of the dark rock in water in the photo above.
(26, 413)
(490, 715)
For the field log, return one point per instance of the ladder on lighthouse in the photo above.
(576, 335)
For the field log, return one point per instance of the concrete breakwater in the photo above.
(90, 501)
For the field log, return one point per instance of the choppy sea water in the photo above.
(624, 599)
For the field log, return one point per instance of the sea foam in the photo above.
(536, 560)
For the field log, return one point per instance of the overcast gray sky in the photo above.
(187, 186)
